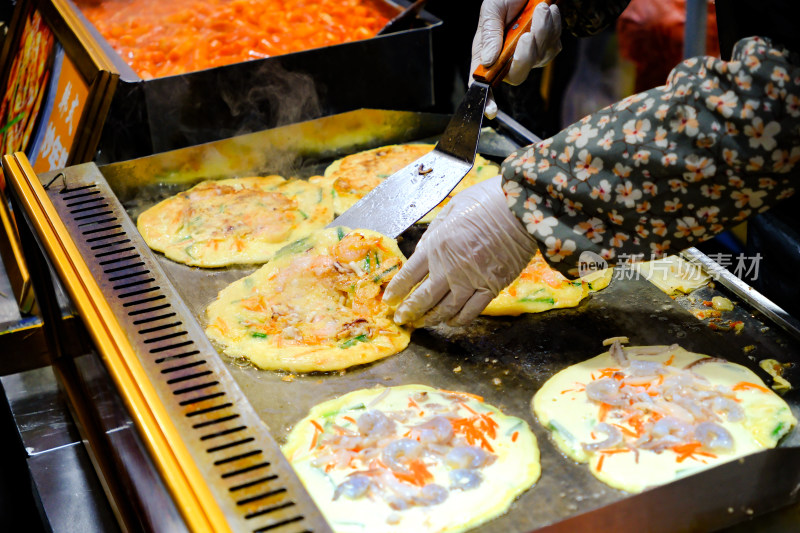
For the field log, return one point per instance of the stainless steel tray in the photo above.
(504, 360)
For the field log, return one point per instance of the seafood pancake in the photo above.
(236, 221)
(673, 274)
(355, 175)
(315, 306)
(540, 288)
(412, 459)
(647, 415)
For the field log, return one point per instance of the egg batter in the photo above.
(647, 415)
(412, 459)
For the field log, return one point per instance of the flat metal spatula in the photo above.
(408, 194)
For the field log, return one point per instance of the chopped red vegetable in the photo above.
(745, 385)
(160, 38)
(317, 430)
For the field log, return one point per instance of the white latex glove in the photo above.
(470, 252)
(534, 49)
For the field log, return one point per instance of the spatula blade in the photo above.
(410, 193)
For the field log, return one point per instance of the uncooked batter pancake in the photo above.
(673, 274)
(412, 459)
(645, 416)
(316, 306)
(355, 175)
(236, 221)
(540, 288)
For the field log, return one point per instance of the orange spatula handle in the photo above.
(522, 24)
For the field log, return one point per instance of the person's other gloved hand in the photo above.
(534, 49)
(470, 252)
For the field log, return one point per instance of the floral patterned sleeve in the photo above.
(667, 168)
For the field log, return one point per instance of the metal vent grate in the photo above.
(249, 477)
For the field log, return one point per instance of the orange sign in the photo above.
(62, 124)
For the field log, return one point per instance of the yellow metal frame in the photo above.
(14, 260)
(101, 77)
(179, 471)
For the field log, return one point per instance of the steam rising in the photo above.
(276, 97)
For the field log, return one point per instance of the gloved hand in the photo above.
(534, 49)
(470, 252)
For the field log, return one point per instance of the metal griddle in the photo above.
(505, 360)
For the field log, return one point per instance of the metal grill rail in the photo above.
(249, 477)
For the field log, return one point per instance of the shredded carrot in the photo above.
(608, 372)
(685, 451)
(350, 419)
(614, 451)
(514, 436)
(473, 429)
(580, 388)
(604, 453)
(419, 474)
(420, 471)
(221, 325)
(604, 409)
(382, 247)
(468, 408)
(404, 476)
(254, 303)
(317, 431)
(626, 431)
(745, 385)
(412, 403)
(637, 423)
(489, 419)
(466, 394)
(491, 425)
(689, 450)
(669, 361)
